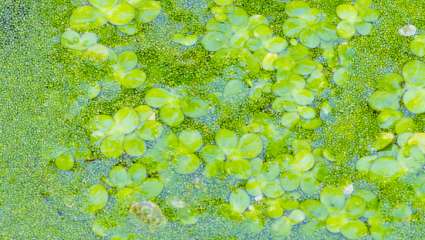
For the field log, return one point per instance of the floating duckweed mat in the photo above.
(212, 119)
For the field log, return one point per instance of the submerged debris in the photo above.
(407, 30)
(148, 213)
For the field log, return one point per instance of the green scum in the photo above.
(207, 120)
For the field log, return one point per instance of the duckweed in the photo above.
(243, 125)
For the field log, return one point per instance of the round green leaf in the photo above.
(133, 145)
(121, 14)
(281, 227)
(212, 153)
(214, 41)
(332, 197)
(302, 161)
(297, 8)
(364, 28)
(194, 107)
(187, 163)
(381, 100)
(385, 166)
(272, 189)
(112, 146)
(148, 11)
(355, 206)
(417, 46)
(127, 60)
(293, 26)
(85, 18)
(303, 96)
(126, 120)
(240, 168)
(119, 177)
(347, 12)
(191, 139)
(390, 82)
(309, 38)
(223, 2)
(296, 216)
(414, 73)
(276, 44)
(134, 79)
(414, 100)
(145, 113)
(65, 161)
(158, 97)
(151, 188)
(314, 209)
(171, 115)
(137, 173)
(290, 181)
(150, 131)
(101, 124)
(250, 145)
(185, 40)
(239, 200)
(227, 140)
(97, 197)
(103, 4)
(354, 229)
(345, 29)
(335, 222)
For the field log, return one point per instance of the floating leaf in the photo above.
(137, 173)
(119, 177)
(195, 107)
(250, 145)
(354, 229)
(212, 153)
(345, 29)
(187, 163)
(151, 188)
(385, 166)
(150, 131)
(103, 4)
(414, 100)
(97, 197)
(148, 11)
(239, 200)
(187, 40)
(127, 60)
(112, 146)
(65, 161)
(133, 145)
(158, 97)
(121, 14)
(281, 227)
(381, 100)
(191, 139)
(171, 115)
(86, 18)
(302, 161)
(133, 79)
(240, 168)
(417, 46)
(145, 113)
(214, 41)
(290, 181)
(414, 73)
(347, 12)
(126, 120)
(227, 140)
(332, 197)
(272, 189)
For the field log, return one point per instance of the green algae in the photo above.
(53, 81)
